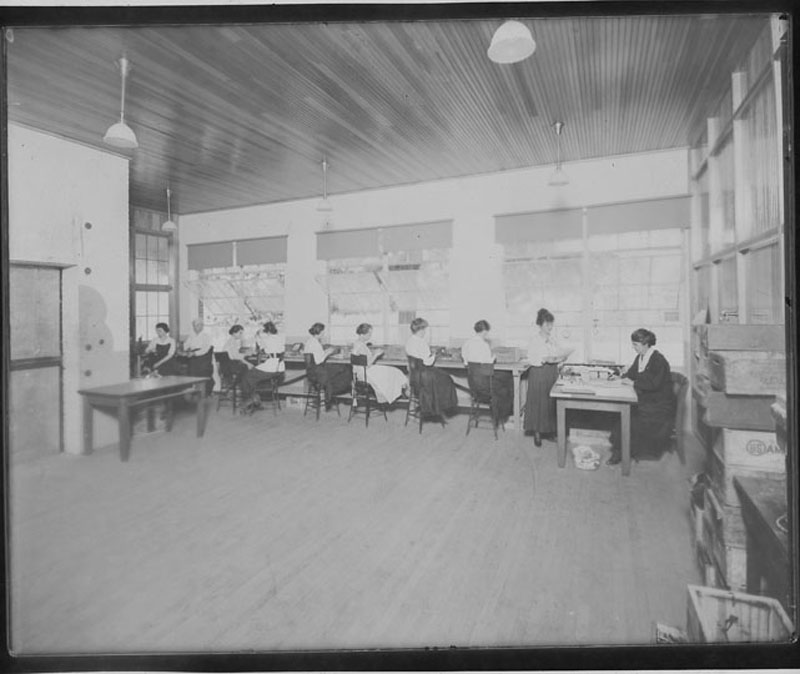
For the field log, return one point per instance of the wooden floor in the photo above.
(278, 532)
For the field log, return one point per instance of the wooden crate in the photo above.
(778, 412)
(738, 412)
(757, 450)
(722, 475)
(722, 523)
(734, 337)
(748, 372)
(719, 616)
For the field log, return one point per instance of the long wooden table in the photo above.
(603, 396)
(516, 369)
(139, 392)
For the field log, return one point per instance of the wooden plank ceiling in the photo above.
(232, 115)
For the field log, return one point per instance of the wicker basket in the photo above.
(720, 616)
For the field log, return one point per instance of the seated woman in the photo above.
(653, 417)
(159, 356)
(272, 346)
(545, 355)
(477, 350)
(437, 393)
(233, 347)
(387, 382)
(333, 377)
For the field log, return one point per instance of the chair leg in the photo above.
(319, 401)
(367, 406)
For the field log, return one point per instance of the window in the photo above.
(728, 298)
(238, 282)
(387, 277)
(764, 301)
(152, 283)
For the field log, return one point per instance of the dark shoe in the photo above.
(614, 460)
(537, 439)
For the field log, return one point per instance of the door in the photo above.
(35, 390)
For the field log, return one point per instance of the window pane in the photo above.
(141, 303)
(141, 246)
(728, 301)
(141, 271)
(163, 304)
(152, 271)
(152, 247)
(163, 248)
(162, 277)
(764, 270)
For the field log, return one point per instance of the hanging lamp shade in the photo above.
(512, 42)
(324, 206)
(169, 225)
(120, 135)
(558, 178)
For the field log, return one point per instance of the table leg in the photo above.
(626, 439)
(201, 409)
(517, 403)
(561, 419)
(170, 414)
(124, 416)
(88, 426)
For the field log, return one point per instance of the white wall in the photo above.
(472, 203)
(55, 186)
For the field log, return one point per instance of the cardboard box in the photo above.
(720, 616)
(734, 337)
(722, 479)
(757, 450)
(738, 412)
(748, 372)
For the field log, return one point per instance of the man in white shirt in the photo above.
(198, 349)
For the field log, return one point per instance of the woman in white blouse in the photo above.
(388, 382)
(335, 378)
(477, 350)
(437, 393)
(233, 347)
(544, 355)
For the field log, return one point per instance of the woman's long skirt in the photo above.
(335, 378)
(388, 382)
(437, 392)
(540, 408)
(503, 387)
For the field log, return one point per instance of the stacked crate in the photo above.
(741, 368)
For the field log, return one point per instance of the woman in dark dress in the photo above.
(437, 393)
(335, 378)
(544, 355)
(160, 354)
(653, 417)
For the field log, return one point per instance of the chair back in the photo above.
(224, 362)
(415, 366)
(479, 378)
(679, 385)
(359, 362)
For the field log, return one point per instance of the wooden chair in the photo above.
(228, 380)
(361, 392)
(482, 395)
(315, 388)
(414, 410)
(269, 389)
(680, 384)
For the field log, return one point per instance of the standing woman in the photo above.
(652, 418)
(335, 378)
(544, 355)
(160, 353)
(437, 393)
(388, 382)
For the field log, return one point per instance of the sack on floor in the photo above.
(585, 457)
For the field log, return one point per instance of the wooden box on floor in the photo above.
(724, 540)
(752, 413)
(753, 450)
(719, 616)
(722, 475)
(748, 372)
(734, 337)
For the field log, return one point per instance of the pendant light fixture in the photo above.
(512, 42)
(559, 178)
(324, 206)
(120, 135)
(169, 225)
